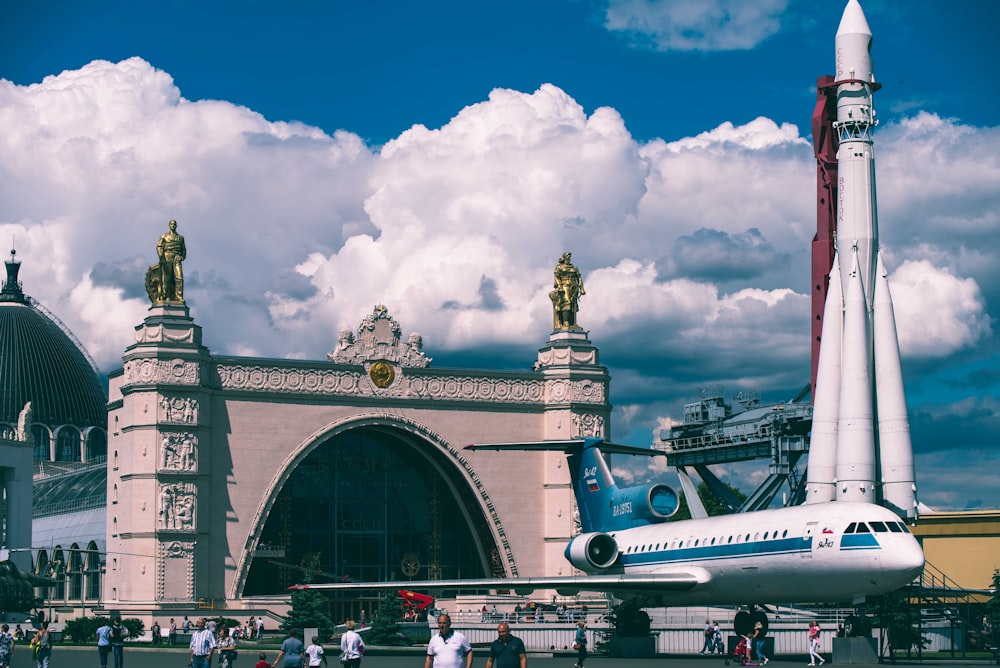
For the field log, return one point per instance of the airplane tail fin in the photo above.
(602, 504)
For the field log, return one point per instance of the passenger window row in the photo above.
(703, 542)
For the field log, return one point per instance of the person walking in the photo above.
(709, 633)
(172, 632)
(449, 648)
(291, 652)
(317, 656)
(814, 644)
(104, 643)
(758, 643)
(717, 638)
(227, 648)
(580, 643)
(6, 646)
(352, 647)
(507, 651)
(118, 635)
(202, 645)
(43, 643)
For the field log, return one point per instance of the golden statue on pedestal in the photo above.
(165, 279)
(565, 297)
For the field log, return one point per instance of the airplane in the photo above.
(833, 552)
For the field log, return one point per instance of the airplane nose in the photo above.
(907, 559)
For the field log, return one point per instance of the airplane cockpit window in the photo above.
(895, 527)
(850, 527)
(862, 528)
(878, 527)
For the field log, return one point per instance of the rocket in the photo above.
(860, 448)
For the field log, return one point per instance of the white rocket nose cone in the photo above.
(853, 22)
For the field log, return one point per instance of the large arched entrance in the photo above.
(371, 503)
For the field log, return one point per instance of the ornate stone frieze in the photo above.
(177, 507)
(578, 391)
(379, 339)
(587, 425)
(565, 356)
(154, 371)
(166, 332)
(179, 452)
(182, 410)
(335, 382)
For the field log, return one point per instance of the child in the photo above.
(263, 661)
(315, 652)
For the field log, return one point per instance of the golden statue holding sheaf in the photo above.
(568, 288)
(165, 279)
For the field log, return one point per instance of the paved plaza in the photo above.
(147, 657)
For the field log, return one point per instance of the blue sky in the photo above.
(438, 157)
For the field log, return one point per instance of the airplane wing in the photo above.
(568, 446)
(677, 580)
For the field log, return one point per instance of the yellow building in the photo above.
(965, 546)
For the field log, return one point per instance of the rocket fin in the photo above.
(895, 447)
(821, 474)
(855, 431)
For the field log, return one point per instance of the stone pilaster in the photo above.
(576, 406)
(159, 467)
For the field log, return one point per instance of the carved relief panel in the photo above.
(183, 410)
(177, 506)
(179, 452)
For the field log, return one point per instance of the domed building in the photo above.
(51, 396)
(42, 363)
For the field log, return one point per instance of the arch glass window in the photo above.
(75, 574)
(96, 444)
(43, 441)
(92, 572)
(373, 504)
(68, 444)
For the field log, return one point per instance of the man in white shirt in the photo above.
(202, 646)
(448, 649)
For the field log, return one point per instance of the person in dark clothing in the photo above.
(507, 651)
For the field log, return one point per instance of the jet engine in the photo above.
(656, 502)
(592, 552)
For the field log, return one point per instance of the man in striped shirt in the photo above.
(202, 646)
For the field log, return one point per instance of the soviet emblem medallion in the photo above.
(381, 373)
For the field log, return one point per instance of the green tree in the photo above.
(993, 610)
(712, 505)
(309, 608)
(385, 625)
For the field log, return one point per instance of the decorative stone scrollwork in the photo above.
(588, 425)
(177, 506)
(337, 382)
(175, 570)
(178, 452)
(179, 409)
(379, 339)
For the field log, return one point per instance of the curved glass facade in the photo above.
(369, 505)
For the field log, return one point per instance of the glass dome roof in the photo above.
(40, 363)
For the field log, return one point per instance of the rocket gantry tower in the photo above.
(860, 448)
